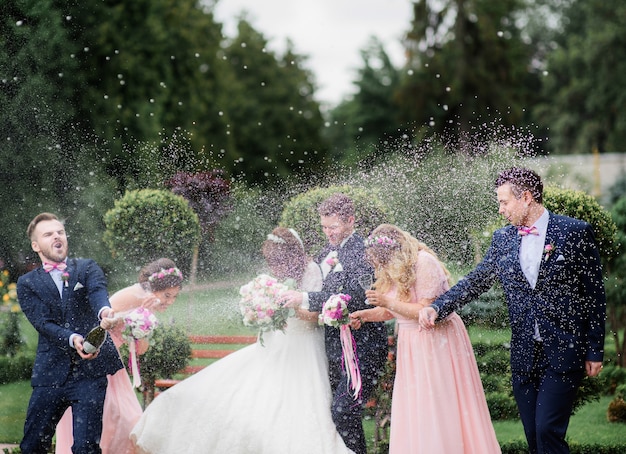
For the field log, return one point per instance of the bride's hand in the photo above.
(291, 298)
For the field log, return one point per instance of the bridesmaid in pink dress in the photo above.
(159, 284)
(438, 403)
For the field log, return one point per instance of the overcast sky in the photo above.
(330, 32)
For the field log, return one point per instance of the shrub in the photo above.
(580, 205)
(169, 352)
(300, 213)
(147, 224)
(616, 411)
(502, 406)
(19, 367)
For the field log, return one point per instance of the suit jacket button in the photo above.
(67, 325)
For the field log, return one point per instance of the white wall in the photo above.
(592, 173)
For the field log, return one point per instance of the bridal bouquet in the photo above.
(335, 313)
(259, 304)
(138, 324)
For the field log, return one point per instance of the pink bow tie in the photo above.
(527, 231)
(54, 266)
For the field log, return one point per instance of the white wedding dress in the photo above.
(271, 399)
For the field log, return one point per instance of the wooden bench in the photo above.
(197, 352)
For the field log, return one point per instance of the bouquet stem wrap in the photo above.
(350, 360)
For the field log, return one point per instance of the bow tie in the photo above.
(527, 231)
(54, 266)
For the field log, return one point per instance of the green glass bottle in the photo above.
(94, 339)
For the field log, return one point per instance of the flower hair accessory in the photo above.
(164, 273)
(382, 240)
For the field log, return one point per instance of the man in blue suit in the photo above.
(64, 299)
(342, 262)
(550, 271)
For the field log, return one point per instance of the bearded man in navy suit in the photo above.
(550, 271)
(64, 299)
(342, 262)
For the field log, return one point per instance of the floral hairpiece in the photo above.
(382, 240)
(164, 273)
(275, 239)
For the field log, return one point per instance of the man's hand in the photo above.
(593, 368)
(427, 317)
(78, 345)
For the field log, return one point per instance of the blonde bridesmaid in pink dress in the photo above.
(438, 403)
(159, 284)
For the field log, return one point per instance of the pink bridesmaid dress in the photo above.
(438, 403)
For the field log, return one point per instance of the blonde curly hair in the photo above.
(393, 253)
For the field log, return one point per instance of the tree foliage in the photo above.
(584, 89)
(357, 132)
(276, 124)
(467, 64)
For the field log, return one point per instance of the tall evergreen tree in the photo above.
(368, 124)
(468, 65)
(276, 123)
(38, 76)
(585, 86)
(155, 87)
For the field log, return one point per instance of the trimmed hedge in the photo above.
(300, 213)
(147, 224)
(19, 367)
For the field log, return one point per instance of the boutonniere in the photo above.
(547, 251)
(332, 259)
(78, 286)
(65, 277)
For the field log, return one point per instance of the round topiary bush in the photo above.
(147, 224)
(300, 213)
(580, 205)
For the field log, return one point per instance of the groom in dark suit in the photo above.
(550, 271)
(64, 299)
(342, 262)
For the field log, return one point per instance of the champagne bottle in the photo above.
(94, 339)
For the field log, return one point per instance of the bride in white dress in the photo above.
(271, 399)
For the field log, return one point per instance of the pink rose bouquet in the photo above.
(335, 313)
(259, 305)
(138, 324)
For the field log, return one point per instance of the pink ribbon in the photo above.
(134, 363)
(350, 360)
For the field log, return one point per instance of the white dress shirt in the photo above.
(531, 254)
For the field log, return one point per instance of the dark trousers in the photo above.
(545, 399)
(48, 403)
(346, 411)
